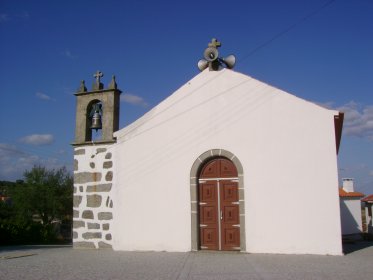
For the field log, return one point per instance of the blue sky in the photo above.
(318, 50)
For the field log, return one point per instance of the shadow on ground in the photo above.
(348, 247)
(353, 246)
(30, 247)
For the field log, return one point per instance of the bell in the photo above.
(96, 121)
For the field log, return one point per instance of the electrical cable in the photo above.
(286, 30)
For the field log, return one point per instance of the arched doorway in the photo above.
(195, 172)
(218, 200)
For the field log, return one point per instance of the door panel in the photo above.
(229, 191)
(211, 169)
(227, 169)
(219, 168)
(209, 238)
(230, 239)
(208, 215)
(230, 215)
(230, 222)
(208, 192)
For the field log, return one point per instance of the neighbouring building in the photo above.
(226, 162)
(350, 205)
(368, 204)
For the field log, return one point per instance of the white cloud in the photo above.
(38, 139)
(43, 96)
(4, 17)
(133, 99)
(7, 150)
(14, 162)
(24, 15)
(358, 120)
(21, 16)
(69, 54)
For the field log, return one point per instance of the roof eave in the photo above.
(338, 125)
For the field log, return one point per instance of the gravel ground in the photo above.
(63, 262)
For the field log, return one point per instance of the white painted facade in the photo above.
(351, 215)
(350, 205)
(282, 142)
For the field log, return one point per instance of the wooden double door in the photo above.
(219, 206)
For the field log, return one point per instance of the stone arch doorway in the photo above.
(217, 202)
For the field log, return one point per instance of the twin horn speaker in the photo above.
(229, 62)
(211, 54)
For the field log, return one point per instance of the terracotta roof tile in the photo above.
(343, 193)
(368, 198)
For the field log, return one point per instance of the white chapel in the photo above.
(224, 163)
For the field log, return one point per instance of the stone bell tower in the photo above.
(97, 109)
(108, 99)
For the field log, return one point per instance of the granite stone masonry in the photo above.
(93, 163)
(100, 150)
(79, 152)
(85, 177)
(77, 200)
(103, 245)
(78, 224)
(107, 164)
(75, 213)
(99, 188)
(83, 244)
(91, 235)
(108, 156)
(94, 200)
(105, 216)
(109, 176)
(105, 226)
(93, 226)
(92, 207)
(87, 214)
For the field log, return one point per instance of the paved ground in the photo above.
(53, 262)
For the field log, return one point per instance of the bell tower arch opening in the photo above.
(94, 120)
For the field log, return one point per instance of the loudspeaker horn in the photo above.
(230, 61)
(211, 54)
(202, 64)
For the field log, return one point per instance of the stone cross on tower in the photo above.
(98, 85)
(98, 75)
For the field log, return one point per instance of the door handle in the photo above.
(221, 214)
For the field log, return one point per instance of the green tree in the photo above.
(45, 195)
